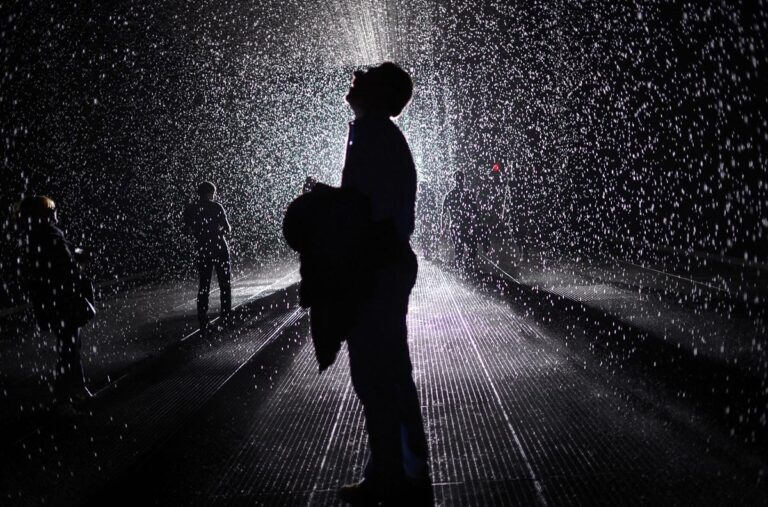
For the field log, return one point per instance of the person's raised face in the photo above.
(357, 90)
(365, 90)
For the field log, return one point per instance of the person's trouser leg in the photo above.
(381, 376)
(205, 270)
(396, 438)
(69, 368)
(471, 252)
(224, 275)
(413, 437)
(458, 250)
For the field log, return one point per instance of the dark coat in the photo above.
(207, 222)
(379, 165)
(329, 228)
(52, 275)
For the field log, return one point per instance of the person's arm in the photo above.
(223, 222)
(406, 221)
(394, 182)
(64, 270)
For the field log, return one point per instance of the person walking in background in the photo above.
(379, 166)
(206, 220)
(492, 212)
(61, 296)
(460, 210)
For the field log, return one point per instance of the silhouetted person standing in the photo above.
(379, 165)
(60, 295)
(460, 208)
(207, 221)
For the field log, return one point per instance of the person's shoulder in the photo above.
(54, 233)
(379, 125)
(392, 129)
(45, 233)
(209, 207)
(52, 237)
(397, 141)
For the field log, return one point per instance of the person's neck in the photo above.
(44, 224)
(369, 113)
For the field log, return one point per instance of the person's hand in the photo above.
(83, 255)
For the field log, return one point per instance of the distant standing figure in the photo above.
(206, 220)
(460, 209)
(56, 288)
(493, 212)
(428, 220)
(379, 166)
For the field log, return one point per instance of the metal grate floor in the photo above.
(511, 421)
(585, 293)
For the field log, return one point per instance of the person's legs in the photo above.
(205, 270)
(224, 275)
(69, 368)
(471, 253)
(380, 366)
(375, 384)
(458, 250)
(413, 438)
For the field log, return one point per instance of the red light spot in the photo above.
(496, 168)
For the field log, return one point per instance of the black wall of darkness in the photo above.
(623, 123)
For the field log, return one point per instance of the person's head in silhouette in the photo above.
(37, 210)
(206, 190)
(383, 90)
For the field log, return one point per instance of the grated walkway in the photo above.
(513, 418)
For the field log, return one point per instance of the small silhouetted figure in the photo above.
(428, 220)
(460, 209)
(492, 209)
(379, 166)
(206, 220)
(60, 294)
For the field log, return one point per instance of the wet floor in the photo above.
(513, 417)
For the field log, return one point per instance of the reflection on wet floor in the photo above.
(514, 416)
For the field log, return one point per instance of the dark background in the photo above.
(619, 125)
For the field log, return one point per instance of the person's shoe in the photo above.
(360, 493)
(66, 410)
(72, 395)
(417, 493)
(80, 395)
(206, 330)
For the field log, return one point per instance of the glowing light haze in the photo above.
(627, 123)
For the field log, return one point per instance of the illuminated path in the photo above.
(513, 418)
